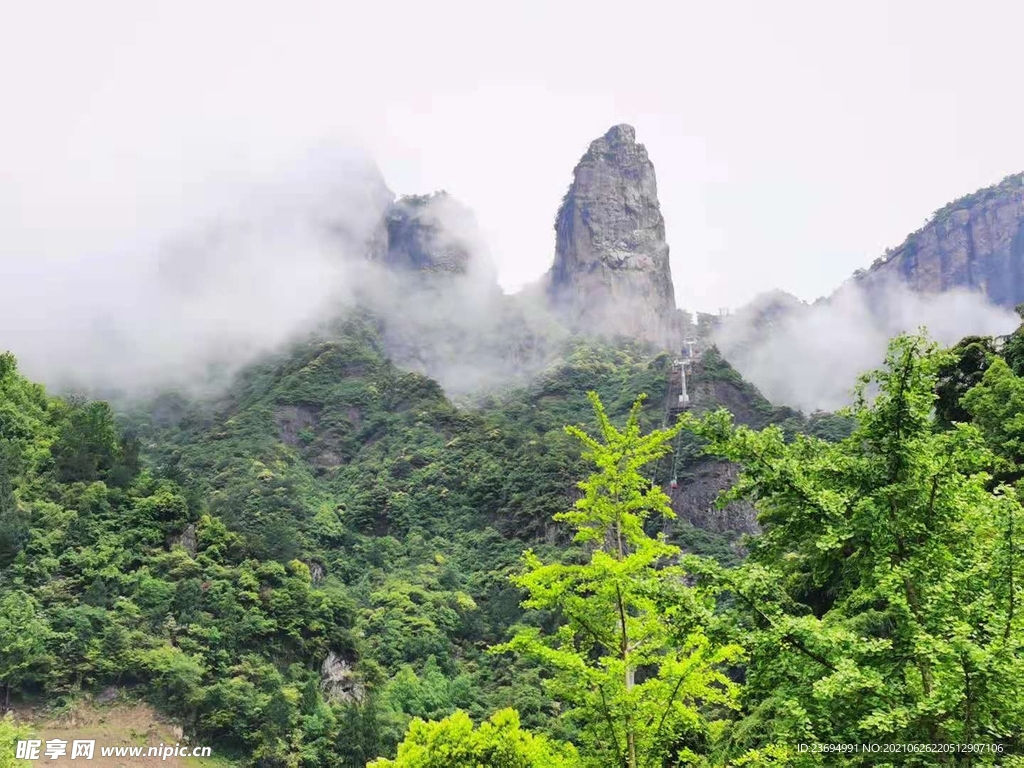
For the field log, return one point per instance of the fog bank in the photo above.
(185, 295)
(808, 356)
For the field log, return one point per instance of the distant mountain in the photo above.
(444, 314)
(959, 275)
(976, 242)
(432, 233)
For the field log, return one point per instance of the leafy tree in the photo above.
(967, 363)
(11, 733)
(14, 528)
(128, 463)
(996, 407)
(23, 637)
(497, 743)
(1013, 345)
(631, 660)
(830, 426)
(23, 405)
(88, 444)
(881, 601)
(431, 695)
(177, 675)
(358, 737)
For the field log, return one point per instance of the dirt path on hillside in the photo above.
(120, 725)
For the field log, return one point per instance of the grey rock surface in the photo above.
(431, 233)
(611, 272)
(976, 242)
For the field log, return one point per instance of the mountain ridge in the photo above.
(975, 242)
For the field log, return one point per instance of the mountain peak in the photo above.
(611, 272)
(619, 134)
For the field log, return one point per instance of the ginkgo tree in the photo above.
(498, 743)
(881, 602)
(631, 663)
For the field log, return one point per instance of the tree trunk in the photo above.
(630, 734)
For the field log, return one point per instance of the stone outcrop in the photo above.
(441, 309)
(611, 272)
(695, 500)
(187, 539)
(339, 681)
(431, 233)
(976, 242)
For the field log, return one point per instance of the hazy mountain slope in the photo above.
(975, 242)
(959, 275)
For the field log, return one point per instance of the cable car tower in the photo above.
(678, 396)
(678, 400)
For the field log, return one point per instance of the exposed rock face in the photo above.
(339, 681)
(714, 384)
(317, 572)
(187, 539)
(976, 242)
(695, 499)
(611, 272)
(431, 233)
(292, 419)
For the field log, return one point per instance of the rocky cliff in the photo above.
(611, 272)
(430, 233)
(976, 242)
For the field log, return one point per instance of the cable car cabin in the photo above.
(673, 484)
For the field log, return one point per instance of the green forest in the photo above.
(333, 564)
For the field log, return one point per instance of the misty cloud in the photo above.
(258, 259)
(235, 271)
(465, 333)
(809, 356)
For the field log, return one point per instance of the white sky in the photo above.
(793, 141)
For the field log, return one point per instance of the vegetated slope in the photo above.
(415, 509)
(110, 575)
(320, 554)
